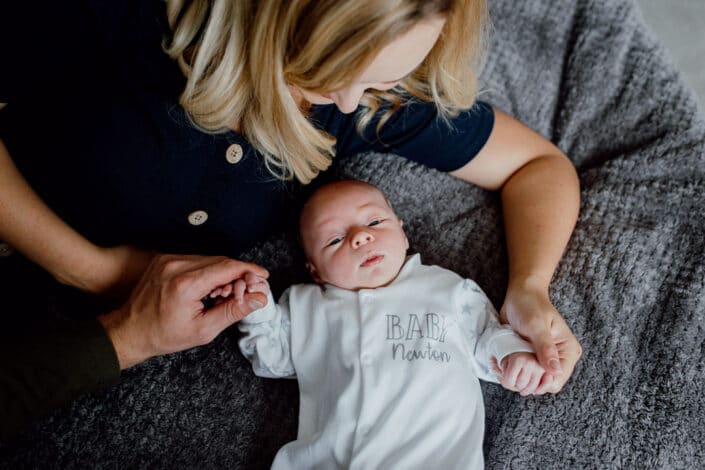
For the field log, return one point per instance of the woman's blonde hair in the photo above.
(239, 56)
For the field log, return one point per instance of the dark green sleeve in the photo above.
(40, 372)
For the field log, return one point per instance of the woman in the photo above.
(191, 128)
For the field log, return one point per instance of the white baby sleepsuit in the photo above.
(388, 377)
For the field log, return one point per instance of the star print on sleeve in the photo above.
(471, 286)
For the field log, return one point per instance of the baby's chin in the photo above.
(373, 282)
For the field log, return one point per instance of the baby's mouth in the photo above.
(371, 260)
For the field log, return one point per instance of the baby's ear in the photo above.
(406, 239)
(313, 272)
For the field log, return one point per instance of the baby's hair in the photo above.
(326, 185)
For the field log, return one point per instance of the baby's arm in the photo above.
(521, 372)
(267, 331)
(493, 344)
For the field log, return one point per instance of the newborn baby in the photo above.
(387, 351)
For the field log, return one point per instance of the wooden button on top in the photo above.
(234, 153)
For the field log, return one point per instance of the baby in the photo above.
(387, 351)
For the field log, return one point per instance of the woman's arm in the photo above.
(30, 226)
(541, 198)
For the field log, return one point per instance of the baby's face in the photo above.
(352, 237)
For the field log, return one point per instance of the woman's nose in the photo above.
(361, 238)
(348, 100)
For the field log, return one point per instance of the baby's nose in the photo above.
(362, 238)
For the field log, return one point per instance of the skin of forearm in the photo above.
(34, 229)
(540, 202)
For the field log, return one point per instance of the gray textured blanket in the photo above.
(590, 77)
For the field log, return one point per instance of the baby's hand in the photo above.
(521, 372)
(249, 283)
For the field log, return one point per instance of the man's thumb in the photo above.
(231, 311)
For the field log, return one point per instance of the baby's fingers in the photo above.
(495, 367)
(545, 385)
(216, 292)
(239, 288)
(222, 291)
(532, 385)
(510, 376)
(226, 290)
(256, 284)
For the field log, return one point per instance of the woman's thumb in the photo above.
(547, 353)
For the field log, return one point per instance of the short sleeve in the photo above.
(416, 132)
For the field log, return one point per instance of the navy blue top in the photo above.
(93, 123)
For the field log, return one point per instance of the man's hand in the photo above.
(165, 313)
(532, 315)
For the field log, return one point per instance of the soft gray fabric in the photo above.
(590, 77)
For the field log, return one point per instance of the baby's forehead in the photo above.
(344, 198)
(341, 199)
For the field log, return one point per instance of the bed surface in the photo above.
(588, 75)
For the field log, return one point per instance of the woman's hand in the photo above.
(540, 200)
(165, 312)
(532, 315)
(112, 271)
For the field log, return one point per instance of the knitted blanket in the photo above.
(588, 75)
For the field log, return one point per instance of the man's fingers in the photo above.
(253, 278)
(236, 311)
(230, 311)
(220, 272)
(250, 303)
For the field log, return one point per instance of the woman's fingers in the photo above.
(546, 350)
(531, 314)
(569, 352)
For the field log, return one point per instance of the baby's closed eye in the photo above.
(335, 241)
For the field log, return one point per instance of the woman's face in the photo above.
(393, 63)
